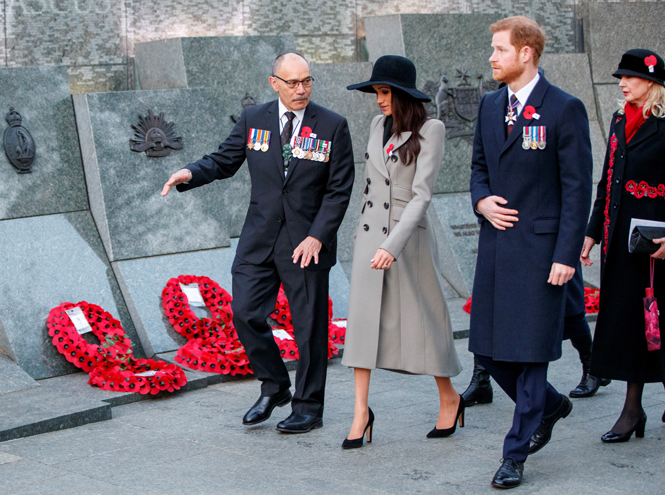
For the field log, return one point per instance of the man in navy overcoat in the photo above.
(290, 233)
(531, 189)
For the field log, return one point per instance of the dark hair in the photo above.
(409, 114)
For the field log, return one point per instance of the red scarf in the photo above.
(634, 120)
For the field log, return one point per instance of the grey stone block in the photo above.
(608, 97)
(56, 185)
(458, 246)
(572, 73)
(204, 62)
(348, 227)
(598, 147)
(616, 28)
(142, 281)
(48, 260)
(13, 378)
(133, 219)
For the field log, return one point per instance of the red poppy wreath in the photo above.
(111, 364)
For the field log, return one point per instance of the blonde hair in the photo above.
(523, 32)
(654, 104)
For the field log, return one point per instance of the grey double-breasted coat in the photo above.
(398, 318)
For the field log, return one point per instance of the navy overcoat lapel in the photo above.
(275, 139)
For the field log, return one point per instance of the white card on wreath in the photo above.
(78, 319)
(193, 295)
(280, 333)
(147, 373)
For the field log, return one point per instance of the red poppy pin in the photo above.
(390, 150)
(306, 132)
(651, 62)
(530, 113)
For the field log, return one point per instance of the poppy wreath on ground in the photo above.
(111, 364)
(180, 314)
(114, 344)
(215, 355)
(143, 376)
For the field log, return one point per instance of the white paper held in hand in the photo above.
(78, 319)
(281, 334)
(193, 295)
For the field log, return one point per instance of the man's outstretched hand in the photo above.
(183, 175)
(307, 251)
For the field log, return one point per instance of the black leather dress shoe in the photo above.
(263, 407)
(509, 474)
(588, 386)
(299, 423)
(543, 433)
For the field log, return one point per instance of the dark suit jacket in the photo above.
(516, 315)
(312, 199)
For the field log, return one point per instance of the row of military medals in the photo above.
(258, 140)
(317, 150)
(534, 137)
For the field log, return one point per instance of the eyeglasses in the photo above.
(293, 83)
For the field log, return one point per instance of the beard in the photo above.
(509, 73)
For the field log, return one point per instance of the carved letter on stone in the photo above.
(19, 145)
(155, 136)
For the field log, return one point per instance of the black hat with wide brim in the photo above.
(642, 63)
(396, 72)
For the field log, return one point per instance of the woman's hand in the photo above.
(383, 260)
(660, 254)
(586, 250)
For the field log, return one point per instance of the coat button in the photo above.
(618, 181)
(279, 219)
(365, 227)
(285, 192)
(621, 156)
(366, 156)
(384, 230)
(369, 181)
(370, 204)
(386, 205)
(614, 206)
(394, 158)
(387, 182)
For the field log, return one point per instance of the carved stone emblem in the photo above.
(19, 145)
(155, 136)
(247, 101)
(457, 107)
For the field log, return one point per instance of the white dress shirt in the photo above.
(523, 94)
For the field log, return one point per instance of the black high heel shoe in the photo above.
(356, 443)
(611, 437)
(446, 432)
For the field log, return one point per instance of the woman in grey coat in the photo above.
(398, 319)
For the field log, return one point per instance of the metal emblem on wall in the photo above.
(247, 101)
(155, 136)
(457, 107)
(18, 142)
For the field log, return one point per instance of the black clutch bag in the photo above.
(641, 239)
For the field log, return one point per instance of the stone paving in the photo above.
(194, 443)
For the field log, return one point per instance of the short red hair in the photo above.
(523, 32)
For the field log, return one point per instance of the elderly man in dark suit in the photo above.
(300, 161)
(531, 189)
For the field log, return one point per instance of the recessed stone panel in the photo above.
(608, 97)
(571, 72)
(48, 260)
(134, 220)
(13, 378)
(41, 96)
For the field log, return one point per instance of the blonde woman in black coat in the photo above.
(635, 156)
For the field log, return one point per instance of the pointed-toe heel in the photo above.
(459, 418)
(356, 443)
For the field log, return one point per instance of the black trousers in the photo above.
(526, 384)
(255, 289)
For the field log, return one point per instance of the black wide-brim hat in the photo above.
(396, 72)
(642, 63)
